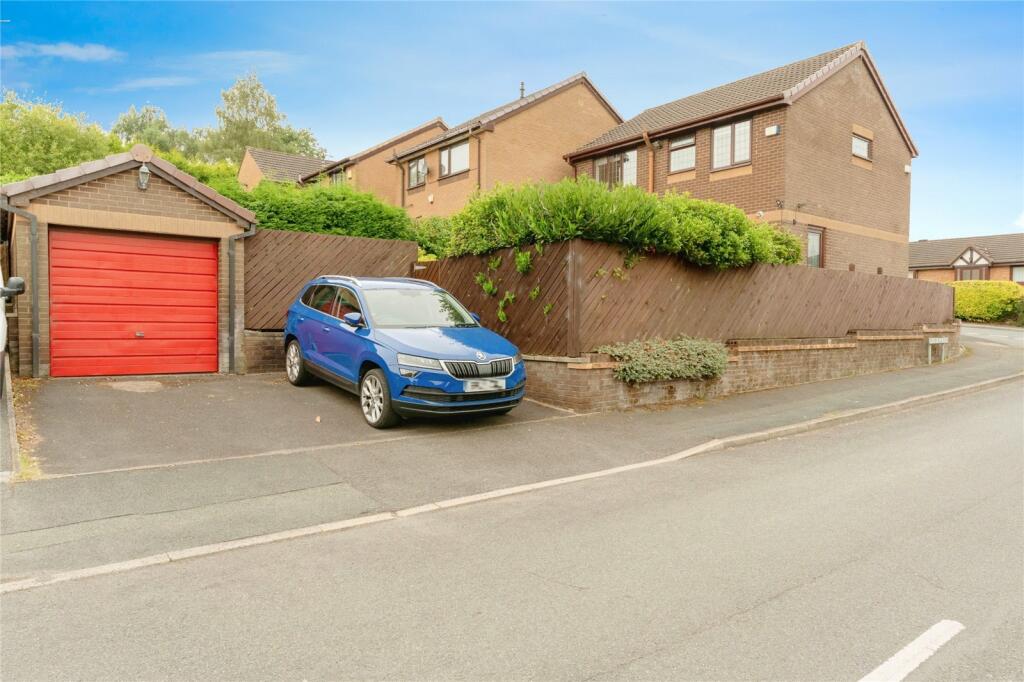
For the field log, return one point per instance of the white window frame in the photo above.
(867, 144)
(622, 166)
(445, 157)
(732, 161)
(1017, 273)
(419, 162)
(684, 143)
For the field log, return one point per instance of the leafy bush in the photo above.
(660, 359)
(702, 232)
(432, 234)
(987, 301)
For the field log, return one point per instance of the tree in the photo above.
(39, 137)
(149, 125)
(248, 116)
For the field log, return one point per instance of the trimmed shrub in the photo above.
(433, 235)
(987, 301)
(704, 233)
(660, 359)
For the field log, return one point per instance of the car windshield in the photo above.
(416, 308)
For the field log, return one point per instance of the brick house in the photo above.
(817, 146)
(994, 257)
(259, 164)
(131, 266)
(371, 170)
(522, 140)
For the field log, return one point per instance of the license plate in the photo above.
(478, 385)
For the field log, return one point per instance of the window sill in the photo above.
(731, 172)
(681, 176)
(416, 187)
(861, 162)
(453, 176)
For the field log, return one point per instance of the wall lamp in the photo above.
(144, 174)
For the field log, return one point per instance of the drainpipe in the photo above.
(650, 162)
(401, 172)
(231, 294)
(33, 240)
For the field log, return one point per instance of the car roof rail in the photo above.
(347, 278)
(421, 281)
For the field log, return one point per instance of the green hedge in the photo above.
(988, 301)
(661, 359)
(705, 233)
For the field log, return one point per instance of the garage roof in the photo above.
(23, 191)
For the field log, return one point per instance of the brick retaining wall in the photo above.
(264, 351)
(588, 383)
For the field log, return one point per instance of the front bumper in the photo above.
(437, 393)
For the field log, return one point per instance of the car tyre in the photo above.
(295, 366)
(375, 400)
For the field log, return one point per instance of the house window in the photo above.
(417, 172)
(862, 147)
(455, 159)
(1017, 274)
(968, 274)
(338, 178)
(815, 250)
(616, 169)
(730, 145)
(682, 154)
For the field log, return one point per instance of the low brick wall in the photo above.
(588, 383)
(264, 351)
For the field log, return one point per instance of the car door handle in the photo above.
(327, 329)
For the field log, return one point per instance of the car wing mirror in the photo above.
(475, 317)
(353, 319)
(14, 286)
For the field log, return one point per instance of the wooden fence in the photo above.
(278, 263)
(594, 299)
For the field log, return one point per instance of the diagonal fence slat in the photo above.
(279, 262)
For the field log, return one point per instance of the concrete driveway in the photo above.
(90, 425)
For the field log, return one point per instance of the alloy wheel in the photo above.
(293, 361)
(371, 396)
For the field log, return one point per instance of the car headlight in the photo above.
(416, 361)
(517, 359)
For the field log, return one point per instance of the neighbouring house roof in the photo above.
(392, 142)
(1001, 249)
(283, 167)
(771, 88)
(23, 191)
(508, 109)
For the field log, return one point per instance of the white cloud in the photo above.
(238, 61)
(1020, 221)
(151, 83)
(85, 52)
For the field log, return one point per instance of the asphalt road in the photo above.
(813, 557)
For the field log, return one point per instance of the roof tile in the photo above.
(940, 253)
(284, 167)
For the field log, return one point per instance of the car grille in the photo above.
(437, 395)
(472, 370)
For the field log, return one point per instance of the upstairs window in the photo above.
(616, 169)
(862, 147)
(682, 154)
(455, 159)
(730, 145)
(417, 172)
(815, 242)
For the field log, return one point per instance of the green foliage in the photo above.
(534, 293)
(149, 126)
(432, 234)
(524, 262)
(494, 263)
(702, 232)
(508, 299)
(248, 116)
(548, 307)
(487, 284)
(986, 300)
(38, 138)
(660, 359)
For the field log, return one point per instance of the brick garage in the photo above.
(132, 270)
(588, 383)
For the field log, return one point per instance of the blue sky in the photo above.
(358, 73)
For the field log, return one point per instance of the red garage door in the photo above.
(123, 303)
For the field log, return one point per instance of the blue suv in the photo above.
(406, 347)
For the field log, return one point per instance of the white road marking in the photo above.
(914, 654)
(834, 419)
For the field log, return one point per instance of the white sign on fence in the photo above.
(935, 340)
